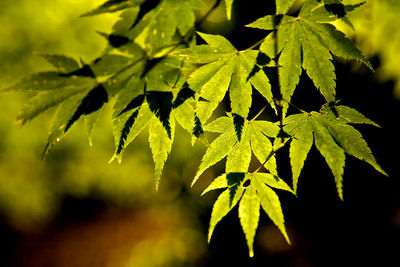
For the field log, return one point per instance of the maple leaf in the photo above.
(225, 69)
(250, 190)
(333, 136)
(307, 42)
(255, 138)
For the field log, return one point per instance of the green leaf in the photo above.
(184, 94)
(217, 150)
(201, 76)
(351, 115)
(300, 145)
(333, 137)
(337, 42)
(266, 127)
(219, 125)
(110, 64)
(49, 81)
(351, 141)
(290, 65)
(90, 122)
(239, 157)
(61, 63)
(249, 61)
(126, 19)
(160, 144)
(269, 22)
(235, 181)
(43, 101)
(318, 65)
(218, 183)
(306, 41)
(226, 68)
(214, 90)
(218, 41)
(222, 206)
(282, 6)
(262, 148)
(240, 91)
(329, 149)
(272, 181)
(184, 115)
(60, 119)
(198, 128)
(156, 30)
(249, 213)
(271, 205)
(160, 103)
(127, 126)
(238, 123)
(228, 8)
(113, 6)
(93, 101)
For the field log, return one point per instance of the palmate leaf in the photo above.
(254, 139)
(250, 190)
(156, 29)
(139, 104)
(73, 88)
(225, 68)
(307, 41)
(333, 137)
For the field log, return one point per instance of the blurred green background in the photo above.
(74, 209)
(135, 225)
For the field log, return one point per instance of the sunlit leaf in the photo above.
(160, 144)
(249, 213)
(222, 206)
(271, 205)
(217, 150)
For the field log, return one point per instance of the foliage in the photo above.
(159, 71)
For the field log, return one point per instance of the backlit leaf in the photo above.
(160, 144)
(271, 205)
(217, 150)
(249, 213)
(222, 206)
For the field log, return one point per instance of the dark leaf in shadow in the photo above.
(184, 94)
(160, 103)
(92, 102)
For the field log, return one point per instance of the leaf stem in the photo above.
(255, 44)
(291, 104)
(259, 113)
(272, 153)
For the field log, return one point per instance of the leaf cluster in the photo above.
(156, 74)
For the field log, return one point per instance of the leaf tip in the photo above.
(251, 253)
(194, 180)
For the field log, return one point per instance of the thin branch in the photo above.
(259, 113)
